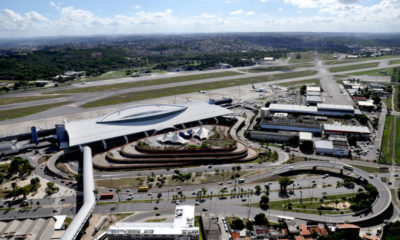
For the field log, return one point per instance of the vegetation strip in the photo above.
(113, 87)
(353, 67)
(387, 146)
(25, 111)
(376, 72)
(156, 93)
(12, 100)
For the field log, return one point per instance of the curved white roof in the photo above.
(151, 117)
(140, 113)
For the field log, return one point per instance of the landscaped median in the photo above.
(156, 93)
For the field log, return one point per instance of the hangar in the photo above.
(137, 119)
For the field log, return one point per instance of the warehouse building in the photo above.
(183, 227)
(347, 130)
(313, 100)
(300, 124)
(273, 136)
(321, 109)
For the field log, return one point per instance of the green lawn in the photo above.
(353, 67)
(304, 57)
(387, 141)
(377, 72)
(113, 87)
(388, 101)
(309, 205)
(197, 223)
(299, 83)
(397, 158)
(136, 96)
(25, 111)
(326, 57)
(394, 61)
(12, 100)
(109, 75)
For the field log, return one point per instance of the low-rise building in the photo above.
(183, 227)
(328, 147)
(347, 130)
(273, 136)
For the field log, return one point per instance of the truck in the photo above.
(143, 189)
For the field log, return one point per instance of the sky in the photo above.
(33, 18)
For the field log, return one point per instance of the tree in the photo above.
(264, 201)
(260, 219)
(284, 182)
(237, 224)
(303, 89)
(258, 189)
(362, 119)
(250, 225)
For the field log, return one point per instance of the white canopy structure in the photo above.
(173, 138)
(201, 133)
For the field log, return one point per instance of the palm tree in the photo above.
(95, 191)
(118, 191)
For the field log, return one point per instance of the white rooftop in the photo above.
(346, 128)
(139, 119)
(313, 89)
(334, 106)
(323, 144)
(305, 136)
(313, 98)
(292, 108)
(184, 224)
(368, 103)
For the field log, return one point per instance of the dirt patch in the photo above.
(42, 159)
(341, 206)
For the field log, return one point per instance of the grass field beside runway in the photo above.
(13, 100)
(353, 67)
(25, 111)
(304, 57)
(156, 93)
(118, 86)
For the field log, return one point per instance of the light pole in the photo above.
(301, 196)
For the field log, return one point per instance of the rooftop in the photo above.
(313, 89)
(139, 119)
(346, 128)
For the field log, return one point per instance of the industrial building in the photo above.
(146, 119)
(273, 136)
(299, 124)
(313, 100)
(183, 227)
(321, 109)
(348, 130)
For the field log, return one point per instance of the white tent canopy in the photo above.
(201, 133)
(172, 137)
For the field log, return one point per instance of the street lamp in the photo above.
(301, 196)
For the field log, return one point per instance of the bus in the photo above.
(107, 196)
(143, 189)
(241, 180)
(348, 168)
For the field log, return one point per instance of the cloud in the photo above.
(331, 15)
(242, 12)
(280, 9)
(228, 2)
(237, 12)
(263, 1)
(138, 6)
(54, 5)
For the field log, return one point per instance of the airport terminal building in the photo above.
(146, 120)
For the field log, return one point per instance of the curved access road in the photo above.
(379, 207)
